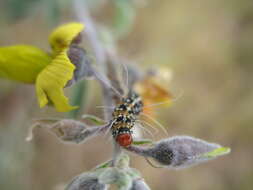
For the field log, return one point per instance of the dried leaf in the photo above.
(71, 131)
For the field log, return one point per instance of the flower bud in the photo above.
(78, 57)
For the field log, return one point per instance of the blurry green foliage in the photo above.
(52, 8)
(17, 9)
(124, 17)
(78, 98)
(20, 9)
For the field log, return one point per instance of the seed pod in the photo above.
(181, 151)
(86, 181)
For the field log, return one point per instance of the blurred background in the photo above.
(208, 45)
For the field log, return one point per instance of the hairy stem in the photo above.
(83, 15)
(104, 61)
(143, 151)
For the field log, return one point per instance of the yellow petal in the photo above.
(62, 36)
(51, 81)
(22, 63)
(153, 91)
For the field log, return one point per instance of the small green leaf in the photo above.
(141, 142)
(124, 18)
(217, 152)
(104, 165)
(94, 119)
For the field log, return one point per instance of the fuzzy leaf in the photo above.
(133, 173)
(22, 62)
(68, 130)
(71, 131)
(139, 184)
(86, 181)
(51, 81)
(123, 161)
(116, 176)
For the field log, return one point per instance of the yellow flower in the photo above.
(48, 72)
(153, 90)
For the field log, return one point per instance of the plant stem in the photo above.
(103, 60)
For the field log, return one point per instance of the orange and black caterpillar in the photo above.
(124, 116)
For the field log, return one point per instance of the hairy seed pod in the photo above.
(181, 151)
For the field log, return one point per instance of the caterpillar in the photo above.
(125, 112)
(124, 116)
